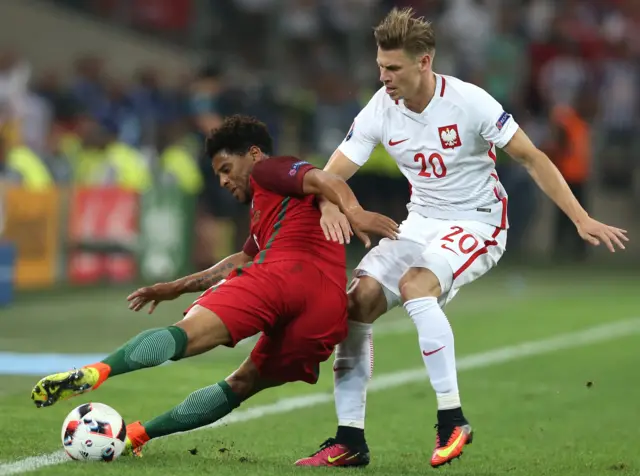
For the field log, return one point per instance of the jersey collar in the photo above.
(423, 116)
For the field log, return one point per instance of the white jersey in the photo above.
(447, 152)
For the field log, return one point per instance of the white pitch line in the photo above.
(498, 356)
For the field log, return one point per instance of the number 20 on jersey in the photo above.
(432, 166)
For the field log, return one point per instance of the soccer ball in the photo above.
(94, 432)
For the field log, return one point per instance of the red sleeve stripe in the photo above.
(491, 153)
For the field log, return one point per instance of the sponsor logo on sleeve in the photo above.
(502, 120)
(295, 167)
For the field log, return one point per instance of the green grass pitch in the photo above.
(568, 408)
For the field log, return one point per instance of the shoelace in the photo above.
(443, 434)
(327, 444)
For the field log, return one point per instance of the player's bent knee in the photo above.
(204, 329)
(419, 283)
(367, 301)
(245, 381)
(431, 280)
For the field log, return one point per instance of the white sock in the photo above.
(352, 370)
(436, 339)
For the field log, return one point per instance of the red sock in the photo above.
(103, 369)
(137, 433)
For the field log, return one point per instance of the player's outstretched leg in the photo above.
(352, 371)
(420, 289)
(352, 367)
(203, 407)
(199, 332)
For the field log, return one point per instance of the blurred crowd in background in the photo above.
(568, 70)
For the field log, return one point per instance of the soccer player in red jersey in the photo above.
(289, 282)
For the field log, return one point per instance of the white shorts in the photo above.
(456, 251)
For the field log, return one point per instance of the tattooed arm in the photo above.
(203, 280)
(197, 282)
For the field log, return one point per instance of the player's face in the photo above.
(401, 73)
(234, 171)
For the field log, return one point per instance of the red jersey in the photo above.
(285, 223)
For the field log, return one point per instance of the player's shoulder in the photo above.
(457, 91)
(266, 166)
(277, 165)
(278, 160)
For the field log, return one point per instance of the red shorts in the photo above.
(300, 311)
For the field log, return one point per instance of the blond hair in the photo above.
(402, 30)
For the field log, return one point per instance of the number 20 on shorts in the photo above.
(466, 243)
(432, 166)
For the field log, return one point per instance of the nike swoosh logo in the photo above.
(427, 354)
(392, 143)
(445, 452)
(333, 460)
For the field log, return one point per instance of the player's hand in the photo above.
(595, 232)
(364, 222)
(335, 225)
(152, 294)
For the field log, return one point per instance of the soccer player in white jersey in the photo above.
(442, 132)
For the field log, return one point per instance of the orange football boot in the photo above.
(450, 441)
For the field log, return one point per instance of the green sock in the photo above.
(201, 408)
(148, 349)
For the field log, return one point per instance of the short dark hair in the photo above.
(237, 135)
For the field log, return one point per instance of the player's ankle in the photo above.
(451, 416)
(103, 372)
(143, 437)
(448, 400)
(351, 436)
(137, 433)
